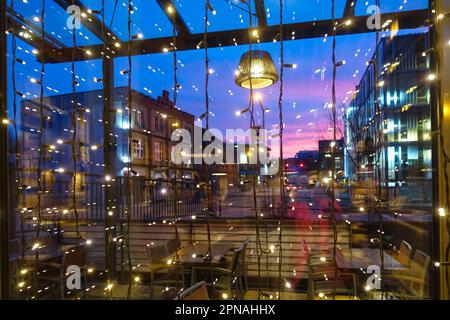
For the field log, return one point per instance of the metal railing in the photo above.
(150, 199)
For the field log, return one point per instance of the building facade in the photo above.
(394, 149)
(152, 122)
(325, 159)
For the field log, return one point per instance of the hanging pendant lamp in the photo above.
(256, 68)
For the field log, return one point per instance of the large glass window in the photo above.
(153, 151)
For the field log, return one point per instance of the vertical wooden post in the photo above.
(111, 202)
(440, 60)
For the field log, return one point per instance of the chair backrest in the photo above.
(156, 253)
(196, 292)
(420, 262)
(404, 254)
(75, 256)
(419, 268)
(173, 245)
(239, 257)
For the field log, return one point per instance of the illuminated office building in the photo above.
(400, 139)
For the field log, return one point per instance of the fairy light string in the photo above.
(281, 166)
(333, 149)
(41, 147)
(74, 142)
(18, 156)
(206, 168)
(110, 261)
(258, 248)
(260, 251)
(175, 179)
(130, 153)
(379, 144)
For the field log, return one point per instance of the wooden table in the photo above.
(193, 254)
(46, 253)
(353, 259)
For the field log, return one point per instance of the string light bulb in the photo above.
(20, 61)
(211, 8)
(90, 11)
(137, 36)
(35, 81)
(287, 284)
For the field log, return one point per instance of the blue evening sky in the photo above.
(307, 89)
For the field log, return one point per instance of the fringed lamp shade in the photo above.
(256, 68)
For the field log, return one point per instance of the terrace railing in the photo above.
(150, 199)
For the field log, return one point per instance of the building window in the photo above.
(138, 149)
(422, 95)
(157, 151)
(159, 125)
(138, 119)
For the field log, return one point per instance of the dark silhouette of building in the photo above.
(307, 160)
(325, 163)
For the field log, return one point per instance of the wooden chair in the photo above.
(57, 272)
(410, 283)
(404, 254)
(173, 245)
(243, 267)
(225, 280)
(157, 264)
(324, 279)
(196, 292)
